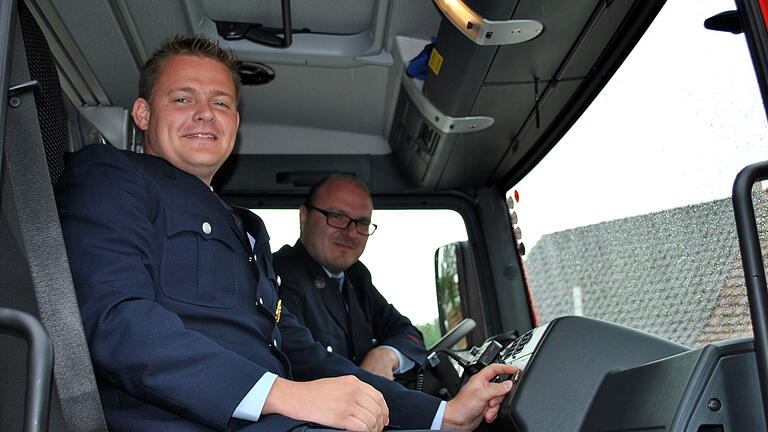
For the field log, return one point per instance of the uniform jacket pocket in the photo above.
(199, 257)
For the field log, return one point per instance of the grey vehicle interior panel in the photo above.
(359, 62)
(563, 366)
(380, 173)
(321, 16)
(583, 374)
(713, 386)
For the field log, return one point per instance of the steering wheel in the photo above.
(453, 336)
(440, 378)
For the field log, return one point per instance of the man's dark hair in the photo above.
(309, 200)
(196, 45)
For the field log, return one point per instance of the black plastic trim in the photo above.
(634, 26)
(727, 21)
(257, 33)
(7, 12)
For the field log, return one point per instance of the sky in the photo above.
(673, 127)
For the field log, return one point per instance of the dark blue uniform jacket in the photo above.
(179, 313)
(371, 320)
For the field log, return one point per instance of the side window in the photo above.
(458, 293)
(629, 218)
(400, 256)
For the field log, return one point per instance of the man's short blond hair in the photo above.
(195, 45)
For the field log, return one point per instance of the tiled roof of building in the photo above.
(676, 273)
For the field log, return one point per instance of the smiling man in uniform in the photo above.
(176, 289)
(330, 291)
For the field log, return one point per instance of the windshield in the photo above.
(629, 218)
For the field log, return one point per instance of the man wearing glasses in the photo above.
(330, 291)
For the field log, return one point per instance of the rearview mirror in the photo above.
(458, 296)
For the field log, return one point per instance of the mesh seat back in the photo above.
(34, 273)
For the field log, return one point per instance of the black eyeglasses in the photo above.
(342, 221)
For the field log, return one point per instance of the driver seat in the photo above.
(34, 275)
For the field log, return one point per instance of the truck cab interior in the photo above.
(443, 104)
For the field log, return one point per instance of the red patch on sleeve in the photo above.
(413, 338)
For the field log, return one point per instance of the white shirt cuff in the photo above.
(438, 420)
(405, 363)
(253, 402)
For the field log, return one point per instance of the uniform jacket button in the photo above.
(329, 348)
(206, 227)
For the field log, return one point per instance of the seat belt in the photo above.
(31, 196)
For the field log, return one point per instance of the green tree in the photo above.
(431, 332)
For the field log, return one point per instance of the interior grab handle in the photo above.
(754, 271)
(39, 365)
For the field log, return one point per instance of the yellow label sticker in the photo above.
(435, 61)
